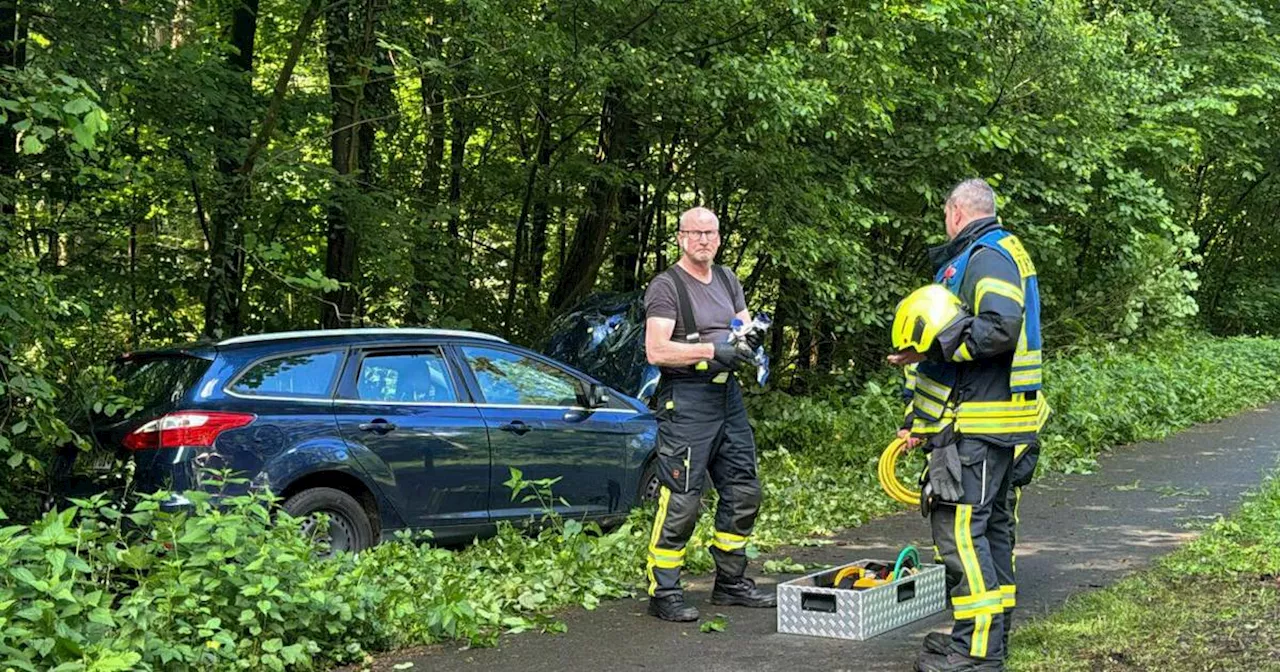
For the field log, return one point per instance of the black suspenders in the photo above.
(686, 306)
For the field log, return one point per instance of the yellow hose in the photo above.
(888, 473)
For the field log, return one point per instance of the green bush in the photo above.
(95, 588)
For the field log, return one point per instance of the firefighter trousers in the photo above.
(975, 539)
(702, 430)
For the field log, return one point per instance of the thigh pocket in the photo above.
(974, 473)
(674, 460)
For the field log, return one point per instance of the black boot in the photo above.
(956, 662)
(672, 608)
(938, 643)
(741, 592)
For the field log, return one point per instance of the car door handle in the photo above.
(516, 426)
(377, 426)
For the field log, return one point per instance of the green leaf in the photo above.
(83, 136)
(77, 106)
(717, 624)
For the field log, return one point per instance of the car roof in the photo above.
(358, 333)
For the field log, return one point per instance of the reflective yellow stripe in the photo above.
(964, 545)
(1017, 499)
(996, 286)
(1020, 378)
(981, 634)
(1010, 596)
(664, 497)
(727, 541)
(664, 563)
(930, 407)
(977, 586)
(1002, 417)
(1027, 358)
(667, 554)
(923, 426)
(962, 353)
(984, 598)
(933, 388)
(1020, 257)
(973, 612)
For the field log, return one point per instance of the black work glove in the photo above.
(944, 472)
(731, 355)
(754, 339)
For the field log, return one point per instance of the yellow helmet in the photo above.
(923, 315)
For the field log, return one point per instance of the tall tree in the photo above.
(226, 243)
(350, 39)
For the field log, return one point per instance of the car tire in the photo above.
(649, 485)
(349, 526)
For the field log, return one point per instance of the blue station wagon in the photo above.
(382, 429)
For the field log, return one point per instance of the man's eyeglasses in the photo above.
(701, 235)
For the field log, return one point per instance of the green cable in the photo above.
(915, 557)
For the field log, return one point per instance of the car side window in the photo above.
(308, 375)
(420, 377)
(509, 378)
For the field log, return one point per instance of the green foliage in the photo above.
(1208, 605)
(232, 583)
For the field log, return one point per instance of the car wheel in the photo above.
(649, 483)
(349, 526)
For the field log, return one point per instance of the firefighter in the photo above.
(702, 423)
(974, 337)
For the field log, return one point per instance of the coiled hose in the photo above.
(888, 473)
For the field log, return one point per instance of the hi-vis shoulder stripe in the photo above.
(998, 287)
(1020, 257)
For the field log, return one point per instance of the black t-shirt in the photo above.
(714, 304)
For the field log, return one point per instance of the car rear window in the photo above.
(157, 381)
(308, 375)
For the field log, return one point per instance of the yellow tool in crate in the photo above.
(875, 574)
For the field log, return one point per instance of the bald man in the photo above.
(702, 423)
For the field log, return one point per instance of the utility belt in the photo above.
(721, 377)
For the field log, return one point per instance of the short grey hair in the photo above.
(973, 196)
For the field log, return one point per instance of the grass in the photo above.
(1212, 605)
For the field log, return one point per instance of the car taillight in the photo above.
(185, 428)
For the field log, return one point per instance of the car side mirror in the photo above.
(595, 396)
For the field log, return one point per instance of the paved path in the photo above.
(1077, 533)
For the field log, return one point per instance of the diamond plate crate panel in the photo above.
(805, 608)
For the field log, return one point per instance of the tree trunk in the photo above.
(582, 263)
(461, 133)
(541, 206)
(826, 346)
(344, 138)
(10, 48)
(626, 258)
(350, 39)
(432, 88)
(226, 243)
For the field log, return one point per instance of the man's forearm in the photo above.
(674, 354)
